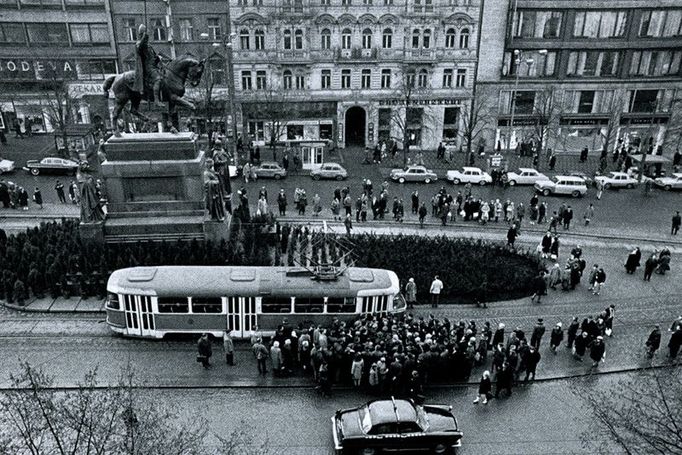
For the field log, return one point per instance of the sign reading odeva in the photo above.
(38, 69)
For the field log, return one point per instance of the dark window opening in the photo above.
(173, 305)
(340, 305)
(207, 305)
(308, 304)
(276, 305)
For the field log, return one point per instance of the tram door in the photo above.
(241, 316)
(139, 315)
(375, 304)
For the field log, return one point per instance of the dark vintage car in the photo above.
(395, 425)
(51, 165)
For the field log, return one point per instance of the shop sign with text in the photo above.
(38, 69)
(432, 102)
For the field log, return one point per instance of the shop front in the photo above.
(525, 136)
(645, 133)
(577, 132)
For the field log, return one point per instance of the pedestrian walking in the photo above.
(540, 287)
(348, 223)
(600, 189)
(260, 352)
(532, 360)
(38, 197)
(599, 280)
(589, 214)
(411, 293)
(572, 332)
(597, 351)
(512, 233)
(505, 379)
(205, 351)
(538, 333)
(609, 315)
(567, 217)
(23, 198)
(485, 388)
(422, 214)
(324, 380)
(435, 290)
(650, 265)
(556, 337)
(653, 342)
(356, 370)
(633, 260)
(675, 343)
(228, 347)
(580, 347)
(276, 359)
(677, 220)
(282, 202)
(59, 188)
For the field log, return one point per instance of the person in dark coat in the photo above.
(498, 336)
(23, 198)
(676, 222)
(59, 187)
(597, 351)
(539, 286)
(650, 265)
(205, 351)
(504, 380)
(538, 332)
(580, 347)
(38, 197)
(546, 243)
(675, 343)
(654, 341)
(532, 360)
(485, 388)
(512, 233)
(556, 337)
(572, 332)
(633, 260)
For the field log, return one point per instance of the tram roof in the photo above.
(225, 280)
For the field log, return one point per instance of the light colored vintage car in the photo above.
(471, 175)
(413, 174)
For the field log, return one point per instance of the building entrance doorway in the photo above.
(355, 126)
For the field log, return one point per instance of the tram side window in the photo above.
(340, 305)
(207, 305)
(112, 301)
(275, 305)
(308, 304)
(173, 305)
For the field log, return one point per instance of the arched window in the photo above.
(367, 39)
(387, 38)
(450, 38)
(346, 38)
(299, 39)
(423, 78)
(415, 38)
(260, 40)
(426, 39)
(464, 39)
(287, 39)
(326, 39)
(287, 80)
(244, 39)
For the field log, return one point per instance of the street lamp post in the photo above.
(517, 64)
(226, 43)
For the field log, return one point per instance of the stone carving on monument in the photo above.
(153, 81)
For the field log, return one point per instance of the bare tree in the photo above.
(477, 120)
(547, 111)
(642, 413)
(673, 138)
(37, 418)
(274, 109)
(60, 105)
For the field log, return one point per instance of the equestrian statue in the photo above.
(153, 81)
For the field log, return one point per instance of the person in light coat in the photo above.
(356, 370)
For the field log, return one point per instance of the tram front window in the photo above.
(112, 301)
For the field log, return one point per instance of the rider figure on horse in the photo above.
(148, 70)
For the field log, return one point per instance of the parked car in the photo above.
(469, 175)
(329, 171)
(270, 169)
(524, 176)
(396, 425)
(674, 182)
(589, 181)
(6, 166)
(562, 184)
(616, 180)
(413, 174)
(51, 165)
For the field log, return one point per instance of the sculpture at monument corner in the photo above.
(91, 206)
(153, 81)
(214, 193)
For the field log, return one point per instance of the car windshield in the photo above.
(365, 419)
(612, 175)
(555, 179)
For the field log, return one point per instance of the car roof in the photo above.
(470, 168)
(618, 173)
(269, 163)
(677, 174)
(383, 411)
(416, 166)
(570, 177)
(526, 169)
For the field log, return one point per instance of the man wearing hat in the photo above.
(411, 293)
(538, 333)
(556, 337)
(597, 351)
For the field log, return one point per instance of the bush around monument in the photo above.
(51, 259)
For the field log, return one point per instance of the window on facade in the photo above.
(244, 39)
(464, 38)
(673, 23)
(300, 82)
(590, 101)
(447, 78)
(159, 32)
(246, 80)
(346, 2)
(426, 39)
(298, 37)
(326, 39)
(461, 77)
(423, 78)
(388, 2)
(533, 64)
(207, 305)
(129, 29)
(261, 78)
(186, 30)
(173, 305)
(410, 79)
(414, 118)
(257, 2)
(51, 32)
(537, 24)
(592, 64)
(450, 35)
(12, 33)
(259, 40)
(428, 6)
(346, 38)
(215, 31)
(287, 40)
(384, 124)
(644, 100)
(89, 34)
(367, 39)
(652, 23)
(525, 102)
(416, 34)
(326, 79)
(450, 122)
(366, 79)
(586, 102)
(599, 24)
(345, 78)
(386, 78)
(287, 80)
(387, 38)
(325, 2)
(366, 2)
(298, 6)
(655, 63)
(417, 6)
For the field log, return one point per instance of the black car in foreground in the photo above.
(395, 425)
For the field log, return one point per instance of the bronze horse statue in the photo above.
(172, 89)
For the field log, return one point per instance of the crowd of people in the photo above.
(14, 196)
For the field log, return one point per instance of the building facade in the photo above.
(54, 53)
(574, 74)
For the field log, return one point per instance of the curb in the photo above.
(12, 306)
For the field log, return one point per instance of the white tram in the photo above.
(150, 302)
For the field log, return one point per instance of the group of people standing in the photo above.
(13, 196)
